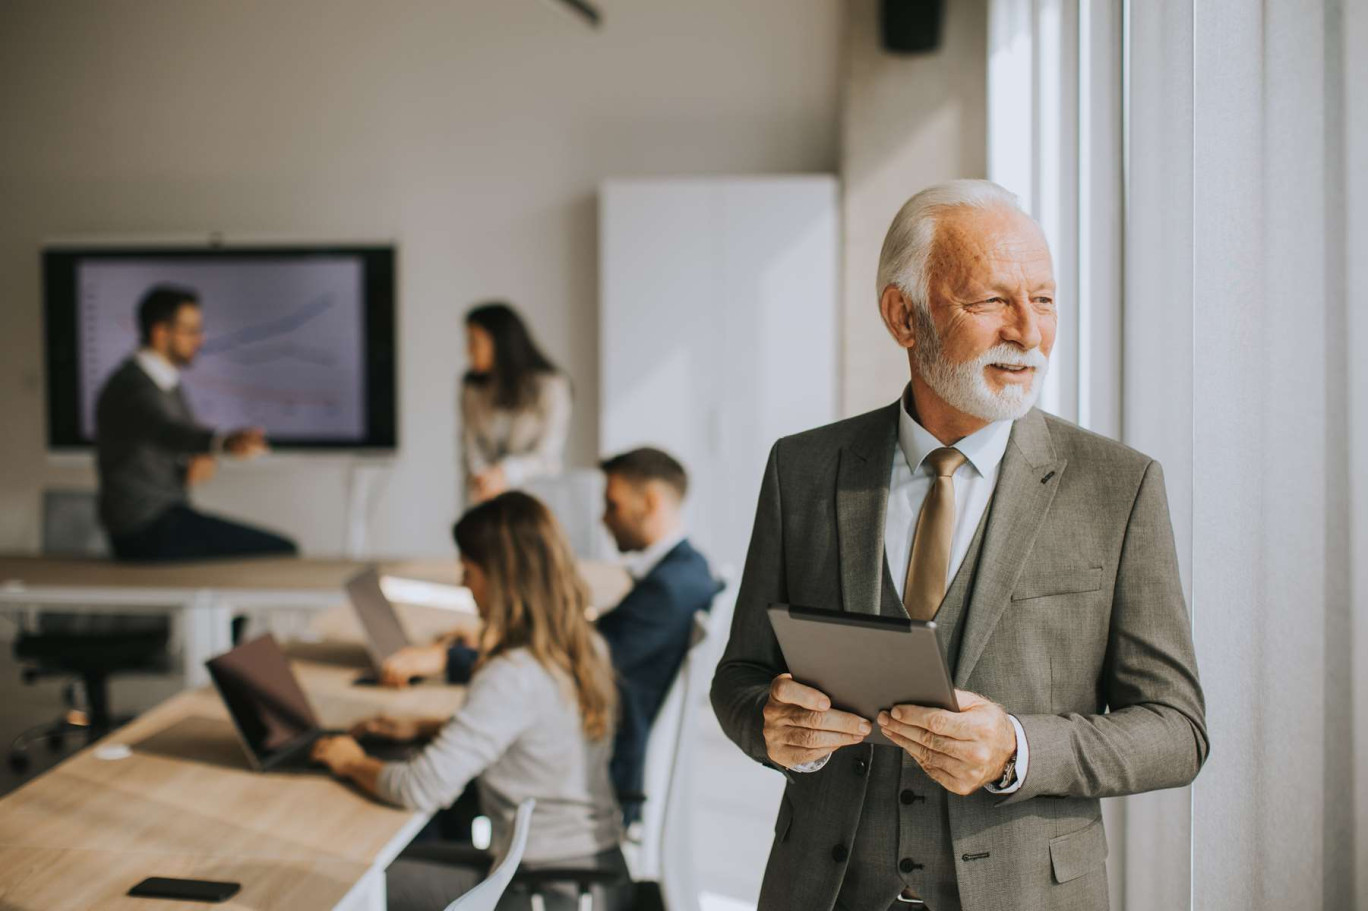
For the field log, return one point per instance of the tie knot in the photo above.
(945, 461)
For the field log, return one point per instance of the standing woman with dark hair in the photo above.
(537, 721)
(515, 405)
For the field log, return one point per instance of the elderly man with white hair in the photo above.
(1044, 554)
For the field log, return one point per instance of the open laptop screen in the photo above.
(385, 634)
(263, 696)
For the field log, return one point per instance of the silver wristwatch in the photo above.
(1008, 774)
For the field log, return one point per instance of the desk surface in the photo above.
(186, 803)
(63, 879)
(187, 788)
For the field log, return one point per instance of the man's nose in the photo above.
(1023, 327)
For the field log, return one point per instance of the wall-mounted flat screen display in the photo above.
(297, 340)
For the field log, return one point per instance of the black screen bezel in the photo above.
(59, 265)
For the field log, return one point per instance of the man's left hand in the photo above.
(413, 661)
(199, 469)
(961, 751)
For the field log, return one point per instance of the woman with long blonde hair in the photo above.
(537, 721)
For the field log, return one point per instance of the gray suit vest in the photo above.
(904, 834)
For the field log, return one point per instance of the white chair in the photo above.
(659, 848)
(485, 896)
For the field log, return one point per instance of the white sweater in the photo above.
(520, 731)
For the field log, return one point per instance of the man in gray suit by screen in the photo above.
(150, 448)
(1043, 552)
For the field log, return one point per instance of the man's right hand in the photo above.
(246, 443)
(801, 726)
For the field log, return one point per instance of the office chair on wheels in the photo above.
(90, 647)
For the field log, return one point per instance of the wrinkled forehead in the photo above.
(991, 246)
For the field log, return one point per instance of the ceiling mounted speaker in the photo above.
(912, 26)
(580, 9)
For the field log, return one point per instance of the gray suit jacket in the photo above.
(1076, 624)
(142, 438)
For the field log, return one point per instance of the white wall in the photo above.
(471, 132)
(907, 121)
(740, 273)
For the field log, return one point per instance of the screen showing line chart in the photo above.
(283, 347)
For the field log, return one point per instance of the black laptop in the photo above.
(272, 716)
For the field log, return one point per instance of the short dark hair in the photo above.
(160, 305)
(648, 464)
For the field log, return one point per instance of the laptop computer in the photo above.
(271, 715)
(385, 634)
(273, 719)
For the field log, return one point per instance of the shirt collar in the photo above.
(162, 371)
(642, 562)
(984, 448)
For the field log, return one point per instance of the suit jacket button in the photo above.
(839, 853)
(860, 766)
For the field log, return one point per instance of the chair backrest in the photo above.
(71, 524)
(575, 498)
(663, 853)
(485, 896)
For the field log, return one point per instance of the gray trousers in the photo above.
(428, 876)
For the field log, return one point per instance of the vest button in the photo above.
(839, 853)
(860, 766)
(907, 865)
(908, 796)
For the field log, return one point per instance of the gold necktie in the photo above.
(930, 562)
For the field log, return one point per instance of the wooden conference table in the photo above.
(186, 804)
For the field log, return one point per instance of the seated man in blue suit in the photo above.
(648, 632)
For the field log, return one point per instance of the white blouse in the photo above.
(527, 443)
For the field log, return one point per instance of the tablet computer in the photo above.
(865, 664)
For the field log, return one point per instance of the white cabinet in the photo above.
(718, 331)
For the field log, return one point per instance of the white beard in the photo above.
(963, 384)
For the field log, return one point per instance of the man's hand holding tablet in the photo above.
(801, 726)
(961, 751)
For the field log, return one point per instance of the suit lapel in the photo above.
(862, 476)
(1025, 489)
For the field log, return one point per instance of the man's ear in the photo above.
(896, 311)
(650, 498)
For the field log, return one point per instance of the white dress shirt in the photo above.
(639, 563)
(162, 371)
(167, 377)
(911, 481)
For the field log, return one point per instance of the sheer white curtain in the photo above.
(1242, 327)
(1274, 411)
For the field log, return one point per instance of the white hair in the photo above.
(912, 235)
(902, 263)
